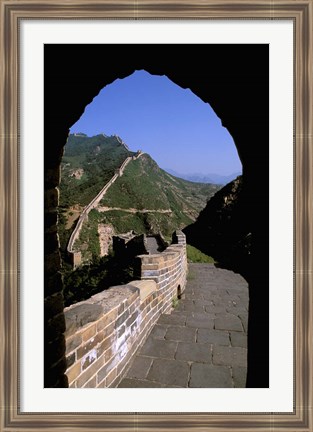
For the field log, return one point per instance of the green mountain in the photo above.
(88, 163)
(144, 198)
(149, 200)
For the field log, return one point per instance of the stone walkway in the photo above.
(203, 342)
(152, 245)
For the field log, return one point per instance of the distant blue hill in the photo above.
(204, 178)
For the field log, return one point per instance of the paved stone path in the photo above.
(203, 342)
(152, 245)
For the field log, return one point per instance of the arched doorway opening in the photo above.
(187, 156)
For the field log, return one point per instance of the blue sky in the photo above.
(151, 113)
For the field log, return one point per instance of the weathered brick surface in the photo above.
(121, 319)
(108, 330)
(121, 331)
(121, 309)
(73, 372)
(104, 371)
(71, 359)
(90, 372)
(91, 383)
(125, 360)
(111, 377)
(104, 345)
(73, 342)
(104, 332)
(90, 345)
(77, 316)
(89, 358)
(89, 333)
(132, 318)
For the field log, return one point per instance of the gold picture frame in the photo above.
(11, 12)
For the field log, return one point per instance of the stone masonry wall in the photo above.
(168, 270)
(104, 332)
(54, 342)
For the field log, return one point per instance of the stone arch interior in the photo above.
(234, 80)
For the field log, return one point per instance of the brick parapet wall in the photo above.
(100, 332)
(168, 270)
(104, 332)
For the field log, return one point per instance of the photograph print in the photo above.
(156, 166)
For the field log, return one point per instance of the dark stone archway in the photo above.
(233, 79)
